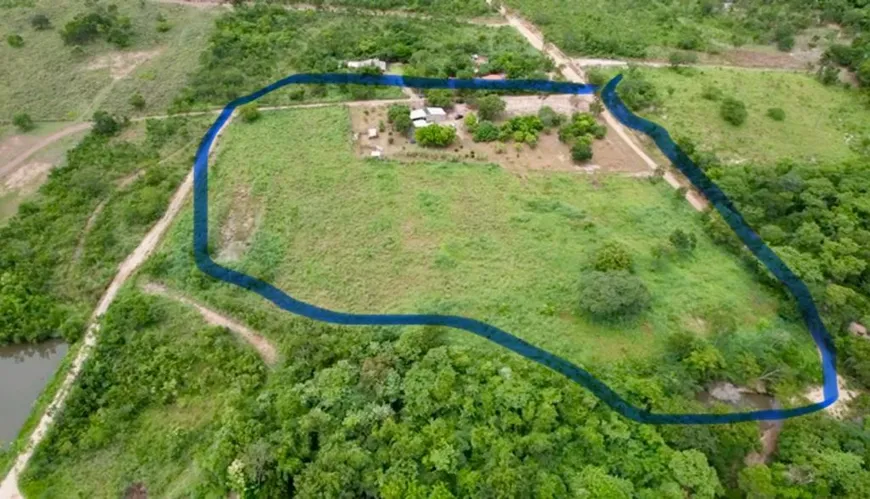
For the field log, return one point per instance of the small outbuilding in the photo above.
(418, 114)
(373, 63)
(421, 123)
(436, 114)
(373, 133)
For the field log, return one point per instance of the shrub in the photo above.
(682, 241)
(106, 124)
(137, 101)
(733, 111)
(550, 118)
(23, 122)
(470, 122)
(163, 26)
(637, 92)
(399, 116)
(40, 22)
(679, 58)
(828, 74)
(776, 114)
(435, 136)
(296, 93)
(612, 256)
(612, 295)
(486, 132)
(784, 36)
(711, 92)
(439, 97)
(490, 107)
(15, 41)
(582, 149)
(249, 112)
(87, 27)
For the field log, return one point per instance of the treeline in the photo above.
(100, 22)
(254, 46)
(46, 289)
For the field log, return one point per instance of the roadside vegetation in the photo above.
(53, 269)
(254, 46)
(639, 28)
(78, 57)
(432, 7)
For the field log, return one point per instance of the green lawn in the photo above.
(46, 79)
(361, 236)
(822, 123)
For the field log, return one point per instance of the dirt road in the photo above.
(264, 348)
(9, 486)
(19, 160)
(591, 62)
(574, 73)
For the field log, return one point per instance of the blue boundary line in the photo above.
(487, 331)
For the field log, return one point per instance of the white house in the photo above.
(428, 115)
(376, 63)
(436, 114)
(421, 123)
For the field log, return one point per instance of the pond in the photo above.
(24, 372)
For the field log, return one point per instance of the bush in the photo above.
(88, 27)
(828, 74)
(399, 116)
(679, 58)
(435, 136)
(612, 256)
(550, 118)
(486, 132)
(733, 111)
(784, 36)
(439, 97)
(137, 101)
(249, 112)
(470, 122)
(637, 92)
(105, 124)
(490, 107)
(612, 295)
(40, 22)
(15, 41)
(682, 241)
(23, 122)
(776, 114)
(582, 149)
(711, 92)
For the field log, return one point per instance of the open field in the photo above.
(822, 123)
(292, 204)
(50, 80)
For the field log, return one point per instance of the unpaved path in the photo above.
(19, 160)
(574, 73)
(9, 486)
(592, 62)
(264, 348)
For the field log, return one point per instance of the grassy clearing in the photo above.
(48, 80)
(822, 123)
(363, 236)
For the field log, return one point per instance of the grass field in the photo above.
(46, 79)
(362, 236)
(822, 123)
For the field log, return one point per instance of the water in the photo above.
(24, 372)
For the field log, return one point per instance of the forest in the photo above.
(254, 46)
(354, 412)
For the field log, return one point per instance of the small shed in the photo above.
(375, 63)
(421, 123)
(418, 114)
(436, 114)
(377, 154)
(373, 133)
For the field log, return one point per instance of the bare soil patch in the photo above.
(838, 409)
(610, 155)
(30, 175)
(239, 226)
(14, 145)
(121, 64)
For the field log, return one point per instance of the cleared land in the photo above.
(822, 123)
(50, 80)
(305, 213)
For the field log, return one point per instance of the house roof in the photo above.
(497, 76)
(418, 114)
(437, 111)
(420, 123)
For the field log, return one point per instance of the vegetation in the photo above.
(733, 111)
(579, 133)
(40, 22)
(776, 114)
(437, 7)
(55, 81)
(399, 116)
(435, 135)
(825, 123)
(612, 295)
(137, 101)
(638, 28)
(490, 107)
(97, 23)
(53, 271)
(23, 122)
(249, 112)
(512, 253)
(254, 46)
(15, 41)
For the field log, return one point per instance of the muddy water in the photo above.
(24, 371)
